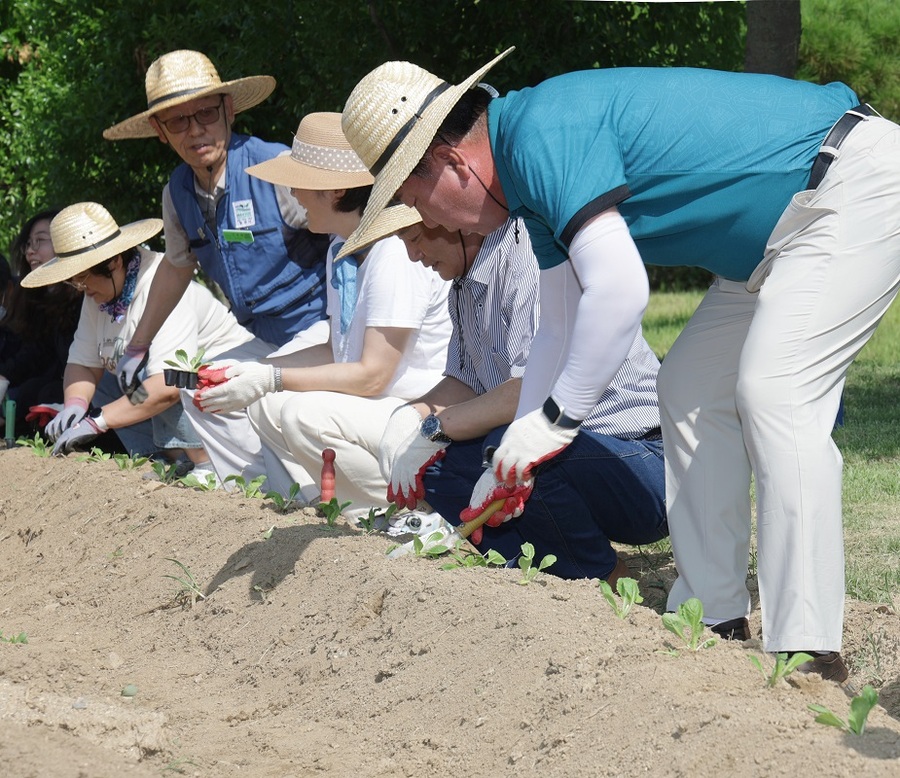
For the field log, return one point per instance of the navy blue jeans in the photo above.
(599, 489)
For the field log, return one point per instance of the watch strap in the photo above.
(556, 415)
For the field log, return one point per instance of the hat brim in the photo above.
(389, 221)
(63, 268)
(284, 170)
(414, 146)
(245, 93)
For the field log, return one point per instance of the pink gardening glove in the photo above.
(527, 442)
(487, 490)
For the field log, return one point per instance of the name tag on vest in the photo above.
(237, 236)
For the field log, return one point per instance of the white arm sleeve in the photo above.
(591, 308)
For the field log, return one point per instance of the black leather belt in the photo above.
(654, 434)
(834, 139)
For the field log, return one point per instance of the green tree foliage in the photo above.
(857, 42)
(71, 68)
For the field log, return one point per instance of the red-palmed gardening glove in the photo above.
(246, 382)
(42, 414)
(528, 442)
(487, 489)
(415, 456)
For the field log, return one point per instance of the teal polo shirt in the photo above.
(700, 163)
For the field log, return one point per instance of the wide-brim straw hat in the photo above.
(181, 76)
(390, 119)
(321, 158)
(391, 220)
(83, 235)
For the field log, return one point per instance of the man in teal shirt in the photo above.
(789, 192)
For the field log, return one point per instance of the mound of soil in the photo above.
(304, 650)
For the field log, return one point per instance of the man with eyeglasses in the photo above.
(247, 235)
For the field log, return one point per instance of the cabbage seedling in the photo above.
(783, 666)
(860, 707)
(687, 623)
(628, 591)
(527, 566)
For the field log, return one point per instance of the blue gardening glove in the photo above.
(527, 442)
(487, 489)
(128, 370)
(79, 435)
(73, 412)
(244, 384)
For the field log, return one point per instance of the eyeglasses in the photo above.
(34, 244)
(79, 281)
(181, 123)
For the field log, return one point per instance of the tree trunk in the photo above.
(773, 37)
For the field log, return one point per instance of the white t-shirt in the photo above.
(198, 321)
(392, 291)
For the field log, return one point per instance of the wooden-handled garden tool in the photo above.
(448, 536)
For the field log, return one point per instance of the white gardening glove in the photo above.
(527, 442)
(487, 489)
(404, 420)
(416, 454)
(73, 412)
(245, 383)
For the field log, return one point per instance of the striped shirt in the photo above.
(494, 312)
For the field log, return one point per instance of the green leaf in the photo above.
(860, 707)
(826, 717)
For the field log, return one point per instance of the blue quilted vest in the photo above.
(276, 284)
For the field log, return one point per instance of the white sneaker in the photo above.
(414, 523)
(203, 473)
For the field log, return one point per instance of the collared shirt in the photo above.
(494, 311)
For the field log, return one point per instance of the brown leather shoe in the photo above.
(733, 629)
(619, 571)
(830, 666)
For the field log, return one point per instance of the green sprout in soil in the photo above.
(37, 444)
(20, 639)
(860, 707)
(783, 666)
(332, 510)
(189, 591)
(687, 624)
(628, 591)
(529, 570)
(251, 489)
(284, 502)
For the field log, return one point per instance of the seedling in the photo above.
(206, 484)
(783, 666)
(368, 523)
(252, 489)
(462, 559)
(860, 706)
(332, 510)
(284, 502)
(20, 639)
(189, 591)
(429, 545)
(127, 462)
(96, 455)
(687, 623)
(183, 362)
(527, 566)
(628, 591)
(166, 472)
(37, 444)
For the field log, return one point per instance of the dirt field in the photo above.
(313, 654)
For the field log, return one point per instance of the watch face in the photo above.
(430, 426)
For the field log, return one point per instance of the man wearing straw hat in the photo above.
(789, 192)
(105, 261)
(247, 235)
(607, 486)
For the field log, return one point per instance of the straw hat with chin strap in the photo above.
(83, 235)
(321, 158)
(390, 119)
(181, 76)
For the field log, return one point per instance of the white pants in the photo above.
(754, 382)
(296, 426)
(229, 438)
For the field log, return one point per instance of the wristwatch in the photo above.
(96, 415)
(431, 429)
(556, 415)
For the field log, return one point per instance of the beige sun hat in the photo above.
(181, 76)
(83, 235)
(320, 158)
(392, 219)
(390, 119)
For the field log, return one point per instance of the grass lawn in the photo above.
(869, 442)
